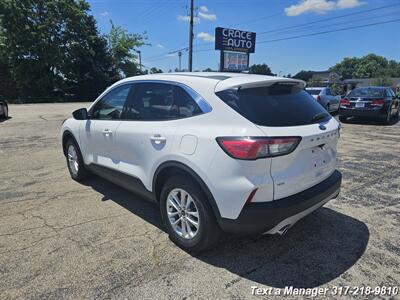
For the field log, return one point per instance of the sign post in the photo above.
(235, 46)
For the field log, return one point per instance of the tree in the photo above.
(304, 75)
(209, 70)
(262, 69)
(369, 66)
(155, 70)
(122, 46)
(53, 45)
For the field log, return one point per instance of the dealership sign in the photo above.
(234, 40)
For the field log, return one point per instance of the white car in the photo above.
(219, 152)
(325, 97)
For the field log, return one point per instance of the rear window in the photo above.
(277, 105)
(314, 92)
(367, 92)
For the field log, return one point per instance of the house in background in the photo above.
(325, 78)
(328, 78)
(350, 84)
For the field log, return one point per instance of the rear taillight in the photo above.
(251, 148)
(318, 98)
(344, 102)
(378, 102)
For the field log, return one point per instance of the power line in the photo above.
(328, 19)
(163, 57)
(329, 31)
(311, 27)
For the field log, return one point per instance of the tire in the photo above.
(5, 111)
(342, 119)
(388, 117)
(192, 239)
(75, 164)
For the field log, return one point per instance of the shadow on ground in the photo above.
(316, 250)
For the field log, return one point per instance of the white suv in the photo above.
(219, 152)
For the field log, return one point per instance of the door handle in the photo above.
(107, 132)
(158, 139)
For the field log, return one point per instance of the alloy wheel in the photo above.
(183, 214)
(73, 159)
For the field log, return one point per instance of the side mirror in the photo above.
(80, 114)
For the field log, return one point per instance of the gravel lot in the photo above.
(62, 239)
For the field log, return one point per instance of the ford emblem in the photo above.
(322, 127)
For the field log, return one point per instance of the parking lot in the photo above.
(62, 239)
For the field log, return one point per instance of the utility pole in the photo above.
(179, 51)
(180, 55)
(190, 64)
(140, 60)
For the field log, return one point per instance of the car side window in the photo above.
(187, 107)
(110, 107)
(160, 101)
(328, 92)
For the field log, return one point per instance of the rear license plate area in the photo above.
(360, 104)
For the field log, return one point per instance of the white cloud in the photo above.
(104, 14)
(172, 54)
(206, 37)
(206, 16)
(196, 20)
(320, 6)
(349, 3)
(160, 46)
(203, 8)
(202, 14)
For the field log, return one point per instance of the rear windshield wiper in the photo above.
(319, 116)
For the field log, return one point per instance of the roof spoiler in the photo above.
(252, 81)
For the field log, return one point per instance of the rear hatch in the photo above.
(366, 98)
(311, 162)
(284, 109)
(362, 102)
(314, 93)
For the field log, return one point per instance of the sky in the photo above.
(281, 26)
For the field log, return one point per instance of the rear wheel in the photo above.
(75, 163)
(342, 119)
(5, 111)
(187, 215)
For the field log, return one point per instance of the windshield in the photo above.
(277, 105)
(313, 92)
(367, 92)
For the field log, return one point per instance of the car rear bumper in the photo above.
(266, 217)
(352, 112)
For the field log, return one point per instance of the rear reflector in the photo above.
(378, 102)
(344, 102)
(251, 196)
(318, 98)
(250, 148)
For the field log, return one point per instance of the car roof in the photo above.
(214, 80)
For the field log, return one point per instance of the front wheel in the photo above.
(75, 163)
(187, 215)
